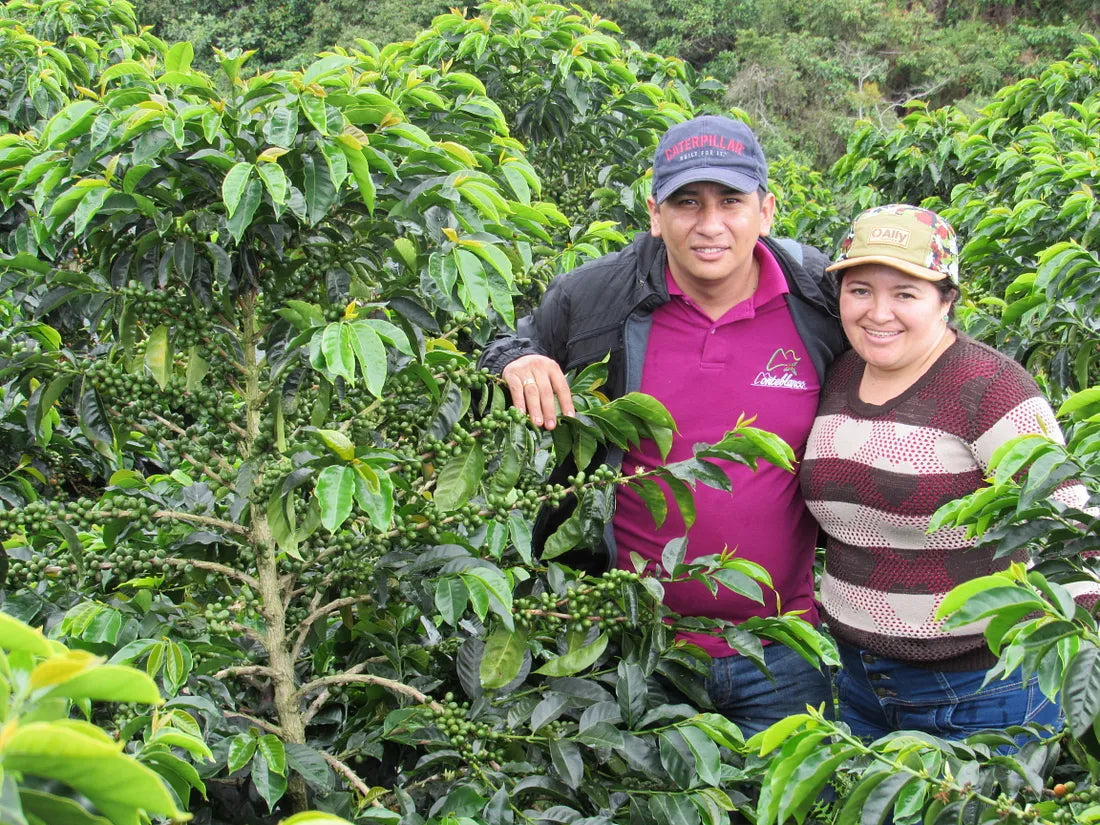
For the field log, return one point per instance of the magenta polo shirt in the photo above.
(708, 372)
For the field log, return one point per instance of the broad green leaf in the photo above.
(275, 181)
(575, 660)
(451, 598)
(459, 478)
(241, 218)
(54, 810)
(115, 783)
(109, 683)
(339, 357)
(360, 170)
(311, 766)
(502, 658)
(158, 356)
(335, 490)
(178, 58)
(271, 747)
(178, 739)
(15, 635)
(374, 495)
(269, 784)
(568, 762)
(242, 748)
(338, 443)
(234, 185)
(370, 353)
(654, 499)
(314, 818)
(1081, 690)
(673, 554)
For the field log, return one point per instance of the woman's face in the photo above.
(893, 320)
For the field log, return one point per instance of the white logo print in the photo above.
(781, 371)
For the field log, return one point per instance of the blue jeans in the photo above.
(879, 695)
(753, 702)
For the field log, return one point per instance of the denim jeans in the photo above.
(879, 695)
(753, 702)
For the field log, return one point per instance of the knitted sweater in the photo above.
(873, 475)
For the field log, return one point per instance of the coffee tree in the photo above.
(1017, 184)
(589, 107)
(247, 447)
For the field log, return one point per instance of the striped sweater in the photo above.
(873, 475)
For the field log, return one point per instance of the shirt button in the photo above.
(713, 331)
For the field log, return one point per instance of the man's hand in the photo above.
(534, 381)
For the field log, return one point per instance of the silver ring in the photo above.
(528, 380)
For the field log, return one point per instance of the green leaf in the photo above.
(374, 496)
(234, 185)
(314, 818)
(275, 181)
(54, 810)
(451, 598)
(115, 783)
(338, 443)
(242, 748)
(271, 748)
(335, 490)
(269, 784)
(654, 499)
(17, 636)
(496, 585)
(568, 762)
(460, 477)
(178, 58)
(110, 683)
(93, 419)
(685, 501)
(565, 538)
(360, 170)
(707, 759)
(311, 766)
(502, 658)
(1081, 690)
(575, 660)
(282, 127)
(158, 356)
(241, 219)
(370, 352)
(673, 554)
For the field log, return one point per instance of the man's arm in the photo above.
(526, 360)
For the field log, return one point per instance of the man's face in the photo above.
(710, 232)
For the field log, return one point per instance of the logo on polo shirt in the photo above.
(781, 371)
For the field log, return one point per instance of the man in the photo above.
(713, 318)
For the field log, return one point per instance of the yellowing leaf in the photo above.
(60, 669)
(271, 154)
(450, 234)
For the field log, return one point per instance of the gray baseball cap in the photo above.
(709, 148)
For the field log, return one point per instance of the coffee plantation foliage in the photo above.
(247, 449)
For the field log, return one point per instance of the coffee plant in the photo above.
(252, 453)
(247, 450)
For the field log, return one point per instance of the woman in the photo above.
(908, 421)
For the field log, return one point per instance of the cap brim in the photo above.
(737, 181)
(904, 266)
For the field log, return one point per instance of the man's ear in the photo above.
(767, 212)
(654, 217)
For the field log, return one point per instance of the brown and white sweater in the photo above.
(873, 475)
